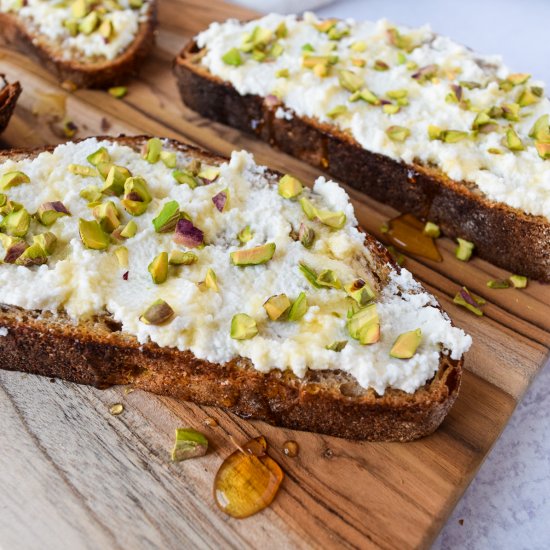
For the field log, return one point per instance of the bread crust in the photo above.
(8, 98)
(505, 236)
(98, 353)
(100, 74)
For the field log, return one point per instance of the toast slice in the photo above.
(9, 93)
(86, 45)
(406, 116)
(83, 314)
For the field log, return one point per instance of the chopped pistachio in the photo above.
(337, 346)
(299, 308)
(276, 306)
(380, 65)
(158, 313)
(177, 257)
(209, 173)
(14, 247)
(158, 268)
(281, 31)
(335, 220)
(494, 283)
(471, 302)
(510, 111)
(104, 168)
(183, 176)
(92, 235)
(187, 234)
(189, 444)
(432, 230)
(398, 133)
(541, 129)
(321, 70)
(114, 183)
(282, 73)
(513, 141)
(359, 46)
(12, 179)
(16, 223)
(47, 241)
(326, 25)
(306, 235)
(48, 212)
(80, 8)
(406, 344)
(543, 149)
(309, 209)
(337, 111)
(118, 92)
(232, 57)
(464, 250)
(426, 73)
(167, 218)
(129, 230)
(518, 78)
(245, 235)
(290, 187)
(360, 291)
(328, 278)
(121, 254)
(243, 327)
(309, 274)
(169, 158)
(434, 132)
(356, 62)
(91, 193)
(308, 48)
(99, 156)
(518, 281)
(152, 150)
(89, 24)
(211, 280)
(528, 97)
(390, 109)
(364, 325)
(453, 136)
(403, 42)
(253, 256)
(366, 95)
(135, 189)
(350, 81)
(84, 171)
(107, 215)
(106, 30)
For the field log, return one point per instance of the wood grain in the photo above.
(73, 476)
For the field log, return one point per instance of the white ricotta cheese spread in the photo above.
(52, 20)
(85, 282)
(520, 179)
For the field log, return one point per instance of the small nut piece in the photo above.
(189, 444)
(245, 235)
(398, 133)
(12, 179)
(84, 171)
(497, 284)
(253, 256)
(177, 257)
(306, 235)
(277, 306)
(136, 196)
(406, 344)
(47, 241)
(232, 57)
(328, 278)
(243, 327)
(114, 182)
(360, 291)
(364, 325)
(121, 254)
(92, 235)
(158, 268)
(107, 216)
(152, 150)
(350, 81)
(16, 223)
(468, 300)
(158, 313)
(518, 281)
(99, 156)
(337, 346)
(188, 235)
(432, 230)
(464, 250)
(290, 187)
(221, 200)
(335, 220)
(299, 308)
(211, 280)
(167, 218)
(118, 92)
(129, 230)
(513, 141)
(48, 212)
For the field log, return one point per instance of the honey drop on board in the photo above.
(406, 233)
(291, 449)
(247, 480)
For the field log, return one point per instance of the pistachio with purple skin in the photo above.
(220, 200)
(14, 249)
(425, 73)
(188, 235)
(48, 212)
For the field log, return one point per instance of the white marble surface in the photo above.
(507, 506)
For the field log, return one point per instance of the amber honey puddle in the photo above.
(406, 233)
(247, 480)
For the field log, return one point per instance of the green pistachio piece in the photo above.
(326, 25)
(434, 132)
(253, 256)
(158, 268)
(121, 254)
(453, 136)
(282, 73)
(528, 97)
(290, 187)
(80, 8)
(310, 274)
(299, 308)
(106, 30)
(104, 168)
(243, 327)
(167, 218)
(84, 171)
(398, 133)
(350, 81)
(510, 111)
(72, 26)
(366, 95)
(359, 46)
(169, 158)
(390, 109)
(178, 257)
(99, 156)
(189, 444)
(328, 278)
(513, 141)
(541, 129)
(364, 325)
(335, 220)
(432, 230)
(92, 235)
(32, 255)
(403, 42)
(89, 24)
(209, 173)
(464, 250)
(12, 179)
(406, 344)
(118, 92)
(482, 120)
(360, 291)
(9, 206)
(397, 94)
(543, 149)
(357, 62)
(211, 280)
(518, 78)
(468, 300)
(136, 4)
(306, 235)
(337, 34)
(48, 212)
(309, 209)
(47, 241)
(337, 111)
(518, 281)
(114, 183)
(276, 306)
(337, 346)
(135, 189)
(308, 48)
(107, 215)
(380, 65)
(184, 176)
(158, 313)
(281, 31)
(152, 150)
(16, 223)
(245, 235)
(232, 57)
(497, 284)
(129, 230)
(14, 247)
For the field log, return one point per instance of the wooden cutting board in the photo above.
(73, 476)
